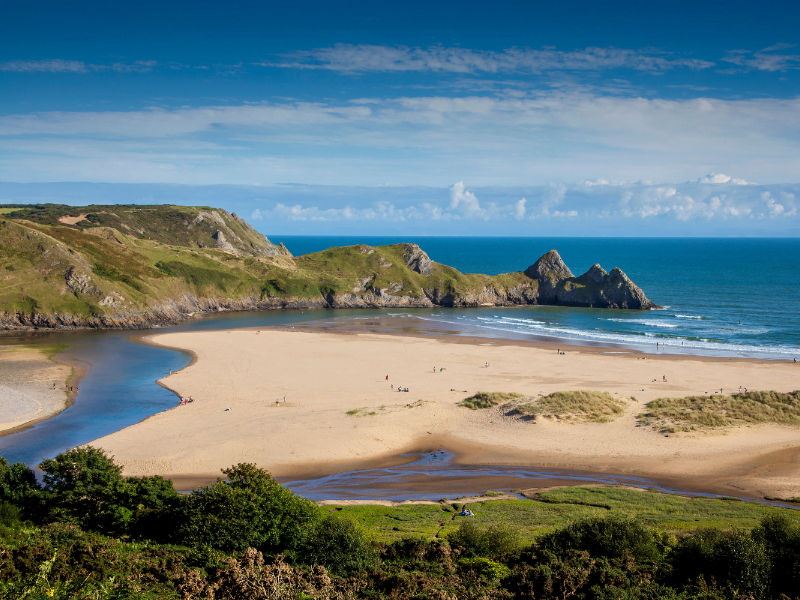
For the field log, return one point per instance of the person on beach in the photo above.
(664, 378)
(387, 378)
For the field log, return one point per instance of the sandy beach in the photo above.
(27, 392)
(303, 403)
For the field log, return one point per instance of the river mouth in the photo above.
(119, 390)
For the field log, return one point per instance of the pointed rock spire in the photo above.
(549, 268)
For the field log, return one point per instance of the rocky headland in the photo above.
(135, 267)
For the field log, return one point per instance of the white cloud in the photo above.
(365, 57)
(256, 215)
(764, 60)
(465, 201)
(541, 137)
(519, 209)
(722, 178)
(57, 65)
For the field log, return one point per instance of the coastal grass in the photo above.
(488, 399)
(692, 413)
(575, 406)
(551, 509)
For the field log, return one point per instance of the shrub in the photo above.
(339, 545)
(612, 537)
(781, 537)
(250, 510)
(474, 540)
(734, 560)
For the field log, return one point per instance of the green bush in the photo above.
(475, 540)
(339, 545)
(610, 537)
(734, 560)
(781, 538)
(250, 510)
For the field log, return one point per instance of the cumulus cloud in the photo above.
(722, 178)
(637, 202)
(519, 209)
(365, 58)
(465, 201)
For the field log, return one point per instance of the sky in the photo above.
(424, 118)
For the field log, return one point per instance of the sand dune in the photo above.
(325, 376)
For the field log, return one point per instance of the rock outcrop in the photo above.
(595, 288)
(417, 259)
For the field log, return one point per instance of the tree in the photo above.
(249, 510)
(17, 483)
(86, 487)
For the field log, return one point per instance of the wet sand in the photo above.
(27, 391)
(325, 377)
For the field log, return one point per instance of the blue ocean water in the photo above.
(726, 297)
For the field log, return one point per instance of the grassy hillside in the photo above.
(134, 266)
(112, 262)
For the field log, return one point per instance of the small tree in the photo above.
(17, 483)
(86, 487)
(250, 510)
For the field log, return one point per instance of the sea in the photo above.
(718, 297)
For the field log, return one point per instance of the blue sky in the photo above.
(568, 118)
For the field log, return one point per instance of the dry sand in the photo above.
(27, 394)
(325, 375)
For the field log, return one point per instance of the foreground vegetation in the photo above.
(89, 533)
(714, 411)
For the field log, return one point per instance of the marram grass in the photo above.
(715, 411)
(488, 399)
(575, 406)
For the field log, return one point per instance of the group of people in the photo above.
(466, 513)
(186, 400)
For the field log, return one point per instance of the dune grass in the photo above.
(488, 399)
(693, 413)
(577, 406)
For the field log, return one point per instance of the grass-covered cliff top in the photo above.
(118, 261)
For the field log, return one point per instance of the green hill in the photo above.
(130, 266)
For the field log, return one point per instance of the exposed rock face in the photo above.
(223, 243)
(595, 288)
(417, 260)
